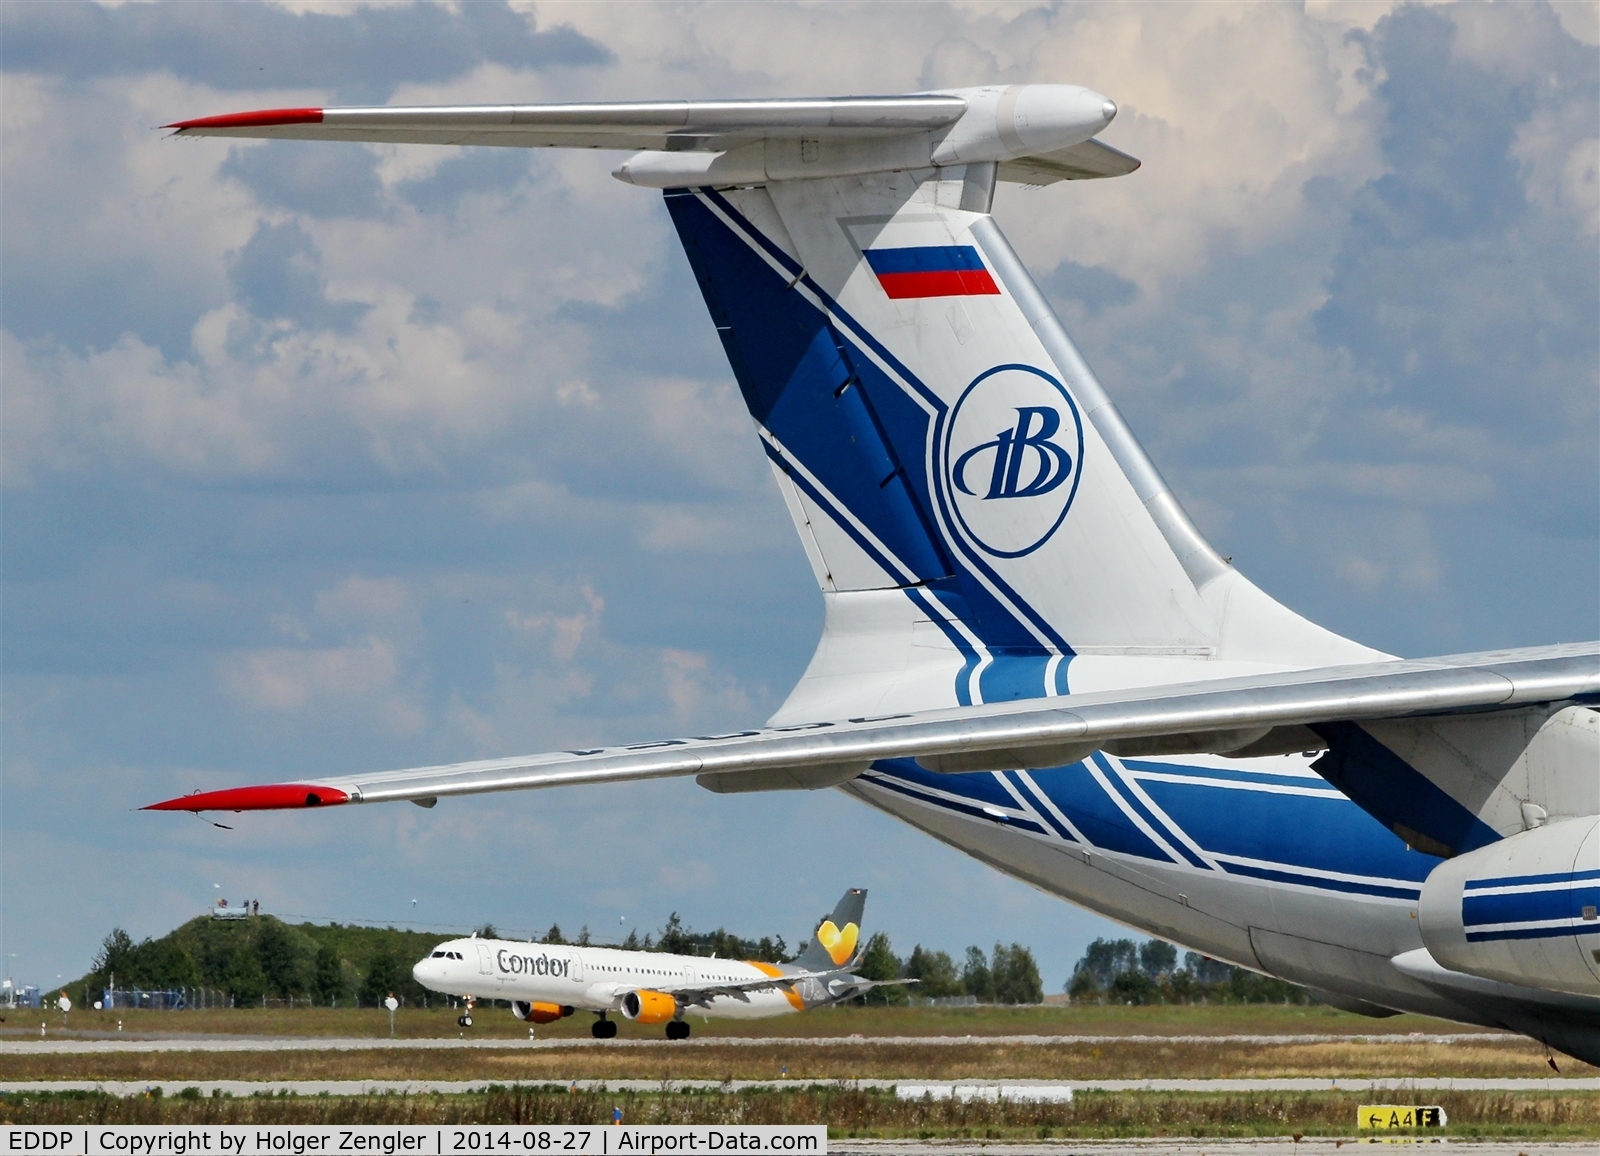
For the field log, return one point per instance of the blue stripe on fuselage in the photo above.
(1319, 840)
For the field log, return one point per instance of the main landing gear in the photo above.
(602, 1028)
(677, 1030)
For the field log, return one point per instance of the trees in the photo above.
(1157, 958)
(382, 979)
(1010, 975)
(242, 974)
(1015, 975)
(1205, 969)
(879, 962)
(935, 972)
(1122, 971)
(675, 938)
(116, 954)
(256, 957)
(327, 976)
(1102, 962)
(976, 979)
(679, 939)
(150, 964)
(282, 966)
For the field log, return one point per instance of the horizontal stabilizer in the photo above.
(1087, 161)
(1240, 706)
(1037, 132)
(668, 124)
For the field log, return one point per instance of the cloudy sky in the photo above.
(320, 458)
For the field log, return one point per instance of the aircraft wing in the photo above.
(1260, 714)
(701, 994)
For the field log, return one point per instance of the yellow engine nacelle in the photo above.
(649, 1007)
(539, 1013)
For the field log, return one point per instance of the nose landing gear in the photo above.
(465, 1018)
(677, 1030)
(602, 1028)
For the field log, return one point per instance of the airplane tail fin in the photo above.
(978, 515)
(838, 938)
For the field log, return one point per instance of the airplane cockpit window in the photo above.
(438, 955)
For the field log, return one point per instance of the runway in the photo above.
(18, 1045)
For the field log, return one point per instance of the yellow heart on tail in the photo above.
(840, 945)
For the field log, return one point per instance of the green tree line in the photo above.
(263, 957)
(1123, 971)
(1007, 975)
(677, 938)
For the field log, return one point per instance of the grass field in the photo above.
(837, 1045)
(1494, 1056)
(848, 1113)
(498, 1023)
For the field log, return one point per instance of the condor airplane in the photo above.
(1030, 651)
(545, 983)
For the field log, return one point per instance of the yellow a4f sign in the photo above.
(1399, 1116)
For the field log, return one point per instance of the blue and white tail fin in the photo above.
(981, 521)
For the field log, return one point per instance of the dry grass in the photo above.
(434, 1023)
(846, 1112)
(1496, 1056)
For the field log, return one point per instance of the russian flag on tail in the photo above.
(931, 271)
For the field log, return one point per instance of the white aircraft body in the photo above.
(1030, 651)
(546, 982)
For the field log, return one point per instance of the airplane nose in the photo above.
(423, 971)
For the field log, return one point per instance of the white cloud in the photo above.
(285, 679)
(565, 631)
(1581, 19)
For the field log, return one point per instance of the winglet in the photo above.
(272, 797)
(259, 119)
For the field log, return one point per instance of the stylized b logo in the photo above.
(1047, 466)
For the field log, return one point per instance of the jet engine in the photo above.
(649, 1007)
(1523, 910)
(539, 1013)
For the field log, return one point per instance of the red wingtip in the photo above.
(273, 797)
(260, 119)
